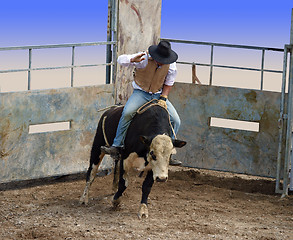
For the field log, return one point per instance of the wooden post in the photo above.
(139, 26)
(194, 77)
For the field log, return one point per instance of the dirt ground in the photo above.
(193, 204)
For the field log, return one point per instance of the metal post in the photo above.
(291, 172)
(109, 38)
(29, 69)
(262, 68)
(289, 129)
(114, 29)
(289, 122)
(72, 65)
(212, 60)
(281, 120)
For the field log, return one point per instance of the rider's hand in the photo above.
(162, 101)
(138, 58)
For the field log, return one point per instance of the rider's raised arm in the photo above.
(139, 60)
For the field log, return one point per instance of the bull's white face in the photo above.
(161, 149)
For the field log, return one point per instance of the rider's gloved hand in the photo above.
(162, 101)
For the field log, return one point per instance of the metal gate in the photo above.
(285, 133)
(264, 152)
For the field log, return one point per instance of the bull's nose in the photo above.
(158, 179)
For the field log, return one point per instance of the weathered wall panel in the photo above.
(139, 26)
(28, 156)
(228, 149)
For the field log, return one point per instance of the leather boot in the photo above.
(112, 151)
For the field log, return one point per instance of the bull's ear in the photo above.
(146, 140)
(178, 143)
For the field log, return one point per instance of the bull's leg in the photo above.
(146, 189)
(116, 176)
(121, 186)
(90, 177)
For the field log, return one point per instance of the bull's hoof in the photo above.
(83, 200)
(116, 203)
(114, 188)
(143, 211)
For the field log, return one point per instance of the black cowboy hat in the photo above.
(162, 53)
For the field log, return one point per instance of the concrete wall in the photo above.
(139, 26)
(28, 156)
(226, 149)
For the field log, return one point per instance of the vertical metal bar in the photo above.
(29, 69)
(109, 38)
(291, 172)
(281, 120)
(114, 15)
(72, 65)
(114, 29)
(262, 68)
(289, 122)
(289, 128)
(291, 30)
(212, 60)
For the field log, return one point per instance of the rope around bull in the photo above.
(151, 103)
(142, 109)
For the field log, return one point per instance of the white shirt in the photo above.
(124, 60)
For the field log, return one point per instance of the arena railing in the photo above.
(73, 46)
(212, 65)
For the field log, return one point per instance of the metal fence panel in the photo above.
(29, 156)
(226, 149)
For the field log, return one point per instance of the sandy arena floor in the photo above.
(193, 204)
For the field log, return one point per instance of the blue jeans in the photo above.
(136, 100)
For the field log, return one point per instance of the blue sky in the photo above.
(248, 22)
(257, 22)
(52, 21)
